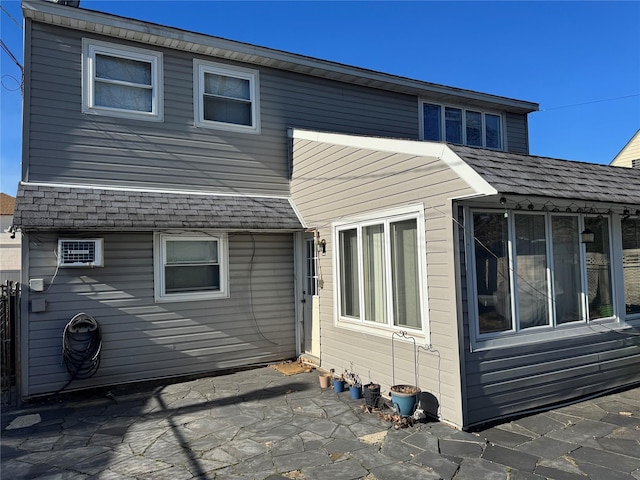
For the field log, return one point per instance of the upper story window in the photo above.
(461, 126)
(121, 81)
(226, 97)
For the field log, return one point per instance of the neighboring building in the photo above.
(215, 204)
(9, 241)
(629, 156)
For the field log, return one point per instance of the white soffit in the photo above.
(408, 147)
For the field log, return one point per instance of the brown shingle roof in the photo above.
(512, 173)
(41, 207)
(7, 204)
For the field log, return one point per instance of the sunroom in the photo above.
(549, 282)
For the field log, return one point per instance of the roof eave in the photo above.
(197, 43)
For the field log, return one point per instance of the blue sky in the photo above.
(579, 60)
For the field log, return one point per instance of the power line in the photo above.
(588, 103)
(8, 52)
(9, 15)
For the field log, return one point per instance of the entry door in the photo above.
(310, 311)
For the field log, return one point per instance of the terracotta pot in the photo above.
(325, 380)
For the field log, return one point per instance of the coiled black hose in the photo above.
(81, 347)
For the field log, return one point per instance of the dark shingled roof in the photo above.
(512, 173)
(41, 207)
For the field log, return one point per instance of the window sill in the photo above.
(191, 297)
(383, 331)
(229, 127)
(107, 112)
(548, 334)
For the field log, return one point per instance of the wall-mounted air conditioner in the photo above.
(85, 252)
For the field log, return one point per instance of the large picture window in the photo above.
(379, 272)
(190, 267)
(533, 272)
(226, 97)
(461, 126)
(122, 81)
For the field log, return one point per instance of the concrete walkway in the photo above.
(259, 424)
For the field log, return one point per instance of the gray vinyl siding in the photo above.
(63, 145)
(144, 340)
(507, 381)
(517, 128)
(67, 146)
(332, 183)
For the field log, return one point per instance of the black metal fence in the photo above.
(9, 318)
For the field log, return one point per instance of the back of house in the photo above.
(214, 204)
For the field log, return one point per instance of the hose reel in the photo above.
(81, 347)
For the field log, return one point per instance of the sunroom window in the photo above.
(379, 280)
(461, 126)
(631, 264)
(533, 272)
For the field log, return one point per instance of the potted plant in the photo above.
(338, 384)
(371, 393)
(355, 387)
(404, 399)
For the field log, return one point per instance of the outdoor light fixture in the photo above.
(587, 236)
(323, 246)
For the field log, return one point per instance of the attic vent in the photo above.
(86, 252)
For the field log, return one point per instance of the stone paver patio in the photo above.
(258, 424)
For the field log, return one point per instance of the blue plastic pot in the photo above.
(338, 386)
(355, 391)
(404, 399)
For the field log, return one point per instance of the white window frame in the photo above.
(159, 255)
(200, 67)
(415, 212)
(443, 132)
(92, 47)
(552, 331)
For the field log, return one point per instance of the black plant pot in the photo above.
(371, 394)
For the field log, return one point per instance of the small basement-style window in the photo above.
(461, 126)
(121, 81)
(226, 97)
(190, 267)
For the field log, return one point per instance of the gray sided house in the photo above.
(214, 204)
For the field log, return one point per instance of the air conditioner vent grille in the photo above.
(80, 253)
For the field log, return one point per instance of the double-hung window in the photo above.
(379, 265)
(190, 267)
(533, 273)
(122, 81)
(226, 97)
(461, 126)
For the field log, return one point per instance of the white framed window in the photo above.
(461, 126)
(226, 97)
(121, 81)
(631, 265)
(190, 267)
(380, 266)
(533, 275)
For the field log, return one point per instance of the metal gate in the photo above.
(9, 317)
